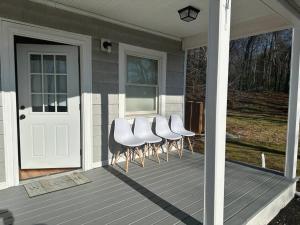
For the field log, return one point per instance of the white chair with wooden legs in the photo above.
(178, 128)
(162, 130)
(142, 130)
(124, 136)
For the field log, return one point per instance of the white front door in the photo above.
(49, 106)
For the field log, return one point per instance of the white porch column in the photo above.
(293, 116)
(216, 108)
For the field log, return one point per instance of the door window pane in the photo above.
(141, 70)
(61, 64)
(62, 103)
(37, 102)
(140, 98)
(49, 89)
(61, 84)
(48, 63)
(49, 103)
(49, 84)
(35, 64)
(36, 83)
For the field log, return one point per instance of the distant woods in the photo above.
(257, 63)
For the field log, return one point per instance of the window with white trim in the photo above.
(141, 88)
(142, 78)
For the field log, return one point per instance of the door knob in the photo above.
(22, 117)
(22, 107)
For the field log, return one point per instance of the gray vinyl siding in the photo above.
(105, 65)
(175, 84)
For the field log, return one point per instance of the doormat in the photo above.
(55, 184)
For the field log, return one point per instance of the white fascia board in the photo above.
(284, 9)
(245, 29)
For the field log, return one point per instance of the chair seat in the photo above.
(170, 136)
(150, 138)
(132, 142)
(185, 133)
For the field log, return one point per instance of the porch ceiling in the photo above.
(162, 17)
(295, 3)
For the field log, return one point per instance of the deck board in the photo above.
(169, 193)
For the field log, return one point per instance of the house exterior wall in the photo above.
(104, 65)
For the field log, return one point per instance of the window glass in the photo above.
(48, 63)
(141, 85)
(61, 84)
(49, 88)
(49, 85)
(37, 102)
(62, 103)
(61, 64)
(36, 83)
(140, 98)
(49, 103)
(141, 70)
(35, 63)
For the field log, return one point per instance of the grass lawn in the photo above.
(260, 120)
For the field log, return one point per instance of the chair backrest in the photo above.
(122, 130)
(161, 125)
(142, 127)
(176, 123)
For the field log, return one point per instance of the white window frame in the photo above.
(161, 57)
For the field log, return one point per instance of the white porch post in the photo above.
(293, 116)
(216, 107)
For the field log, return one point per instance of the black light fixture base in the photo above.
(188, 13)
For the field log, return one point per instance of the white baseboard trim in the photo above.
(3, 185)
(100, 164)
(272, 209)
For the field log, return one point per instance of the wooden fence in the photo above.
(194, 116)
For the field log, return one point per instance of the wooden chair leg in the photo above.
(190, 144)
(148, 151)
(152, 149)
(127, 154)
(168, 146)
(142, 157)
(132, 156)
(181, 145)
(156, 153)
(177, 148)
(113, 159)
(138, 150)
(116, 158)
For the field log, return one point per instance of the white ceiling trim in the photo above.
(85, 13)
(256, 26)
(283, 8)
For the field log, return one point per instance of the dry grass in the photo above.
(260, 119)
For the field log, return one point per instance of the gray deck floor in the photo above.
(170, 193)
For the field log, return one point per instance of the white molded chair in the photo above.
(162, 129)
(124, 136)
(178, 128)
(142, 130)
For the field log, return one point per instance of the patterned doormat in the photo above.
(55, 184)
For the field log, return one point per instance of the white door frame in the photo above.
(8, 30)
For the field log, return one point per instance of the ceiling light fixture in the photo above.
(188, 13)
